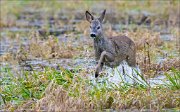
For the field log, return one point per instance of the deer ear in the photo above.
(89, 17)
(101, 18)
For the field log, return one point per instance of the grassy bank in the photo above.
(62, 90)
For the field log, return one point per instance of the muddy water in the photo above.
(32, 20)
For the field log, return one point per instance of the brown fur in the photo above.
(121, 47)
(110, 51)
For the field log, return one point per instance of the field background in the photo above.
(46, 55)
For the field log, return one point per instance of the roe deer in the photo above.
(110, 51)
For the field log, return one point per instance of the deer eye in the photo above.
(98, 27)
(90, 26)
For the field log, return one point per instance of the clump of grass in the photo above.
(46, 49)
(98, 98)
(173, 79)
(18, 88)
(62, 90)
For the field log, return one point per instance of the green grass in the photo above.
(50, 85)
(174, 79)
(15, 89)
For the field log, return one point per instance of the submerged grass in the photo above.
(62, 90)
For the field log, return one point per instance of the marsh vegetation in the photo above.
(47, 56)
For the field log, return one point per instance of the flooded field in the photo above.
(47, 56)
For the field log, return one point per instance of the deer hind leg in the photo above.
(104, 56)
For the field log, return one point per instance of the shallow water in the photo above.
(158, 80)
(32, 20)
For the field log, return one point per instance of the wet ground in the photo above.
(30, 20)
(38, 37)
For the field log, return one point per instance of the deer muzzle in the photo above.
(93, 35)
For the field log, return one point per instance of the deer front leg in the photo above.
(104, 56)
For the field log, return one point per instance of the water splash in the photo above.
(122, 74)
(126, 74)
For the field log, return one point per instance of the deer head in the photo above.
(95, 24)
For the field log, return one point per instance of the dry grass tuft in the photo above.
(58, 99)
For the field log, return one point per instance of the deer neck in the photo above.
(99, 39)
